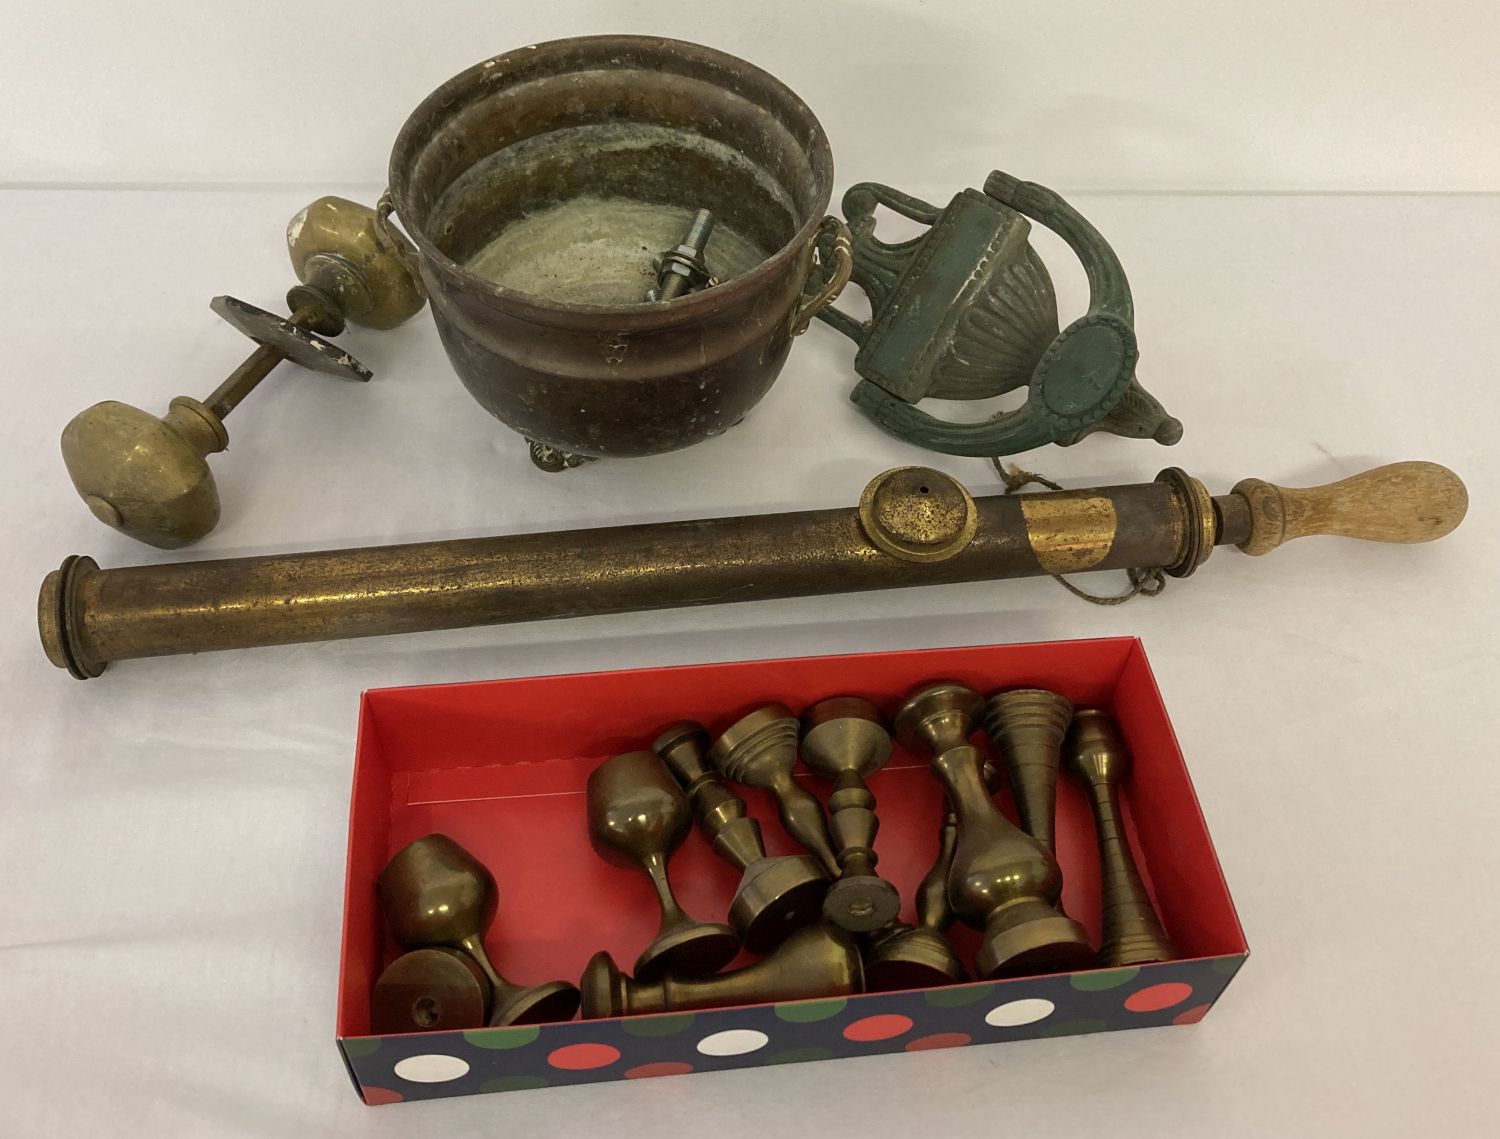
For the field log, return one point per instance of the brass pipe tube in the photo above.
(914, 527)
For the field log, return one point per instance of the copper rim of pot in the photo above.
(473, 84)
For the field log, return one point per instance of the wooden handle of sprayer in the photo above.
(1400, 502)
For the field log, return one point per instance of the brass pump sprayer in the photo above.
(914, 526)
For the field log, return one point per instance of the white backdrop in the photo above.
(1160, 94)
(171, 834)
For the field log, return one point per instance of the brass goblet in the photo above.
(1097, 756)
(1027, 726)
(1002, 880)
(430, 990)
(760, 750)
(816, 961)
(844, 739)
(776, 896)
(638, 816)
(435, 893)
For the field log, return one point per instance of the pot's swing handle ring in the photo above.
(396, 241)
(833, 251)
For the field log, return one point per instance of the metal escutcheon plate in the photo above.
(296, 344)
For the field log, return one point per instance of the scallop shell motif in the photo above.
(1001, 335)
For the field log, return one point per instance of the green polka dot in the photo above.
(657, 1025)
(515, 1084)
(799, 1055)
(806, 1012)
(364, 1047)
(498, 1038)
(1108, 979)
(1228, 966)
(1074, 1028)
(956, 996)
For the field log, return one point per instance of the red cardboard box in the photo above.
(501, 766)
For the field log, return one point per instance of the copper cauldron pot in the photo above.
(523, 181)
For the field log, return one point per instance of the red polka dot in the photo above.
(582, 1057)
(662, 1068)
(1192, 1015)
(881, 1027)
(376, 1096)
(1154, 998)
(939, 1040)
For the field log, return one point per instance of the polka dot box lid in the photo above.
(432, 1065)
(501, 767)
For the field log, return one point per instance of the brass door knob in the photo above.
(637, 817)
(435, 893)
(845, 739)
(776, 896)
(1002, 881)
(148, 476)
(818, 961)
(1098, 758)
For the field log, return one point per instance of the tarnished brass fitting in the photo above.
(147, 476)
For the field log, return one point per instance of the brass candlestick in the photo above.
(637, 817)
(430, 990)
(1133, 934)
(817, 961)
(776, 896)
(845, 739)
(1002, 880)
(919, 956)
(760, 750)
(1027, 726)
(435, 893)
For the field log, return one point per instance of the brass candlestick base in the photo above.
(1002, 880)
(637, 817)
(1027, 726)
(818, 961)
(435, 893)
(760, 751)
(776, 896)
(912, 957)
(845, 739)
(429, 990)
(1096, 755)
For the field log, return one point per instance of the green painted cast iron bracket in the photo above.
(967, 311)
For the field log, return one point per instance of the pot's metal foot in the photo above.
(554, 459)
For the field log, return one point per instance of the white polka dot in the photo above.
(1012, 1014)
(431, 1068)
(733, 1042)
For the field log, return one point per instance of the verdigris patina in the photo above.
(967, 311)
